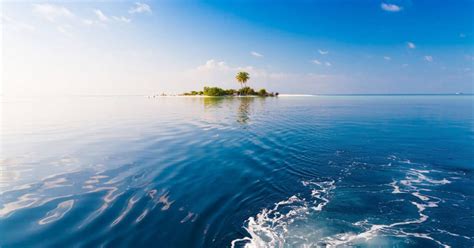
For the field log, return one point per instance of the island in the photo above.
(242, 78)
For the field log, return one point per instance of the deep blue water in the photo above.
(360, 171)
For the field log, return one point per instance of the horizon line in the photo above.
(281, 94)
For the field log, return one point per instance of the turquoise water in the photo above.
(219, 172)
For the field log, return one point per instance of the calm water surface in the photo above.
(213, 172)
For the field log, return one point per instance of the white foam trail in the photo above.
(273, 227)
(345, 238)
(423, 236)
(420, 196)
(453, 234)
(410, 185)
(270, 227)
(266, 228)
(320, 194)
(421, 178)
(396, 188)
(374, 229)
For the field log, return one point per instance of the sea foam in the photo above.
(270, 227)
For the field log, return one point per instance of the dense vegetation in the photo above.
(216, 91)
(242, 78)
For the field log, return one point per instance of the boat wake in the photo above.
(301, 222)
(410, 185)
(271, 227)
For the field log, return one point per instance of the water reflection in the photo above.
(243, 113)
(213, 102)
(242, 106)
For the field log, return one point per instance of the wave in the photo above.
(415, 182)
(270, 227)
(297, 222)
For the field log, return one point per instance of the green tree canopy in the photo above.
(214, 91)
(242, 77)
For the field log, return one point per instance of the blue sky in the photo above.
(317, 47)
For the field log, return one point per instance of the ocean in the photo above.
(288, 171)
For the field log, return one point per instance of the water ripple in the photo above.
(57, 213)
(219, 172)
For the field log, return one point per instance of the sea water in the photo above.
(289, 171)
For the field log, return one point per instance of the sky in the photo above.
(296, 47)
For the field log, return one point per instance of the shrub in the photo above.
(216, 91)
(213, 91)
(247, 91)
(262, 92)
(230, 92)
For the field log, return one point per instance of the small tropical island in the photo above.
(242, 78)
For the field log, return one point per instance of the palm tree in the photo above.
(242, 77)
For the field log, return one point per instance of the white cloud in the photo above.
(428, 58)
(122, 19)
(256, 54)
(323, 52)
(15, 25)
(52, 12)
(221, 71)
(65, 29)
(218, 73)
(315, 61)
(387, 58)
(411, 45)
(213, 64)
(390, 7)
(88, 22)
(101, 16)
(140, 8)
